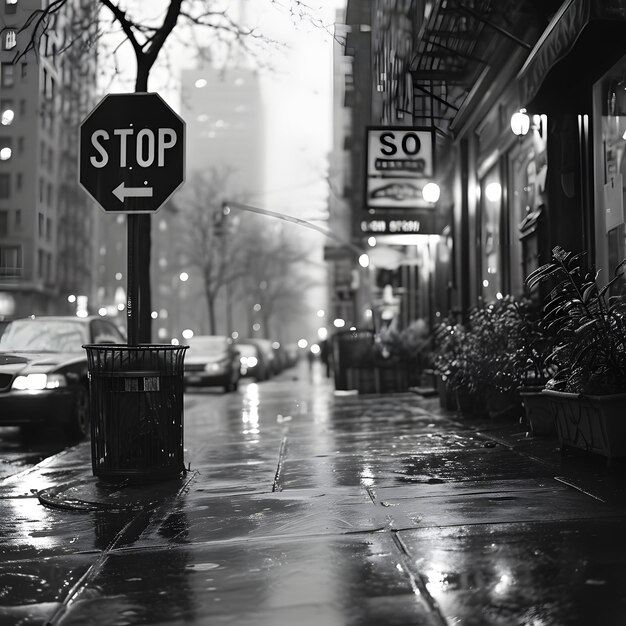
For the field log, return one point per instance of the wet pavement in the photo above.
(303, 507)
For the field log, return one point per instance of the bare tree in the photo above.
(274, 277)
(248, 260)
(206, 240)
(148, 37)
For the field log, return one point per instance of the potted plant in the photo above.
(531, 364)
(588, 390)
(448, 337)
(495, 341)
(498, 352)
(400, 355)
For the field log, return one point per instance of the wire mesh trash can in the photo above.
(136, 403)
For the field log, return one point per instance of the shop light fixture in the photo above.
(431, 192)
(520, 123)
(493, 191)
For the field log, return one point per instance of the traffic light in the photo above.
(220, 221)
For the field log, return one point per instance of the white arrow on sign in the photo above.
(122, 192)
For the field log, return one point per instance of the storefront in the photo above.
(575, 75)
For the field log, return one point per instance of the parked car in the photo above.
(43, 371)
(266, 351)
(253, 362)
(212, 361)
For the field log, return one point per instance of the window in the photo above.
(7, 75)
(24, 69)
(42, 223)
(5, 186)
(105, 332)
(9, 39)
(48, 229)
(7, 112)
(10, 260)
(18, 218)
(6, 148)
(10, 6)
(4, 223)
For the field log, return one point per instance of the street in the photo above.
(310, 507)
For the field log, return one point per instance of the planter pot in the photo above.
(447, 396)
(393, 377)
(538, 411)
(502, 404)
(591, 423)
(377, 378)
(471, 404)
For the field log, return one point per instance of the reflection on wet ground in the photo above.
(303, 507)
(19, 452)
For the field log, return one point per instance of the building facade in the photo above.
(47, 224)
(462, 69)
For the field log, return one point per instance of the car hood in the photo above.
(15, 362)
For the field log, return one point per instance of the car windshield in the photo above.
(43, 336)
(246, 349)
(208, 345)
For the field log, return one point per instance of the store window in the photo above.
(610, 175)
(490, 228)
(527, 206)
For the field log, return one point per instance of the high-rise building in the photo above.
(224, 116)
(46, 221)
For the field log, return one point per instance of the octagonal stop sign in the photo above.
(132, 153)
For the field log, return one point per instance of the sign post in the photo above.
(131, 160)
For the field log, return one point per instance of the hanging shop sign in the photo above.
(421, 223)
(399, 161)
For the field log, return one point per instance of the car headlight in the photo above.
(38, 382)
(252, 361)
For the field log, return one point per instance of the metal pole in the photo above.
(132, 295)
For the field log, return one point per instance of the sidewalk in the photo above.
(323, 510)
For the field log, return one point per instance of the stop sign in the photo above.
(132, 153)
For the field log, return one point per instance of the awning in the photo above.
(582, 41)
